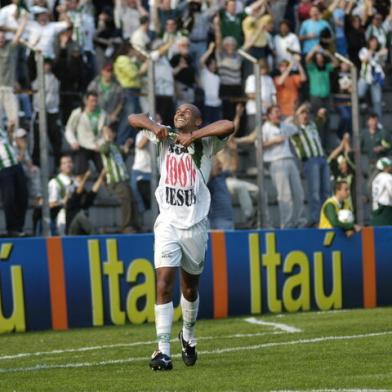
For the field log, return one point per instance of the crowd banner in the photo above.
(60, 283)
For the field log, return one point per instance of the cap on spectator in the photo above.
(36, 10)
(108, 68)
(341, 159)
(383, 163)
(19, 133)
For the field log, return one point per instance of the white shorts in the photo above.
(185, 248)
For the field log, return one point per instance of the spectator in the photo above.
(342, 167)
(70, 70)
(117, 178)
(382, 194)
(332, 209)
(13, 188)
(356, 40)
(59, 187)
(8, 80)
(164, 82)
(380, 29)
(342, 87)
(127, 14)
(307, 144)
(303, 10)
(282, 166)
(288, 85)
(140, 38)
(221, 215)
(375, 141)
(286, 43)
(77, 204)
(141, 173)
(229, 70)
(372, 74)
(171, 35)
(110, 95)
(84, 133)
(210, 83)
(312, 30)
(242, 191)
(128, 69)
(268, 93)
(184, 73)
(107, 38)
(319, 71)
(161, 13)
(53, 121)
(11, 17)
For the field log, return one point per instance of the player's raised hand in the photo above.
(184, 138)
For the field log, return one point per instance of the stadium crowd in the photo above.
(96, 76)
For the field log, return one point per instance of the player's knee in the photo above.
(190, 293)
(164, 289)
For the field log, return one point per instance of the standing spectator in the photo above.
(288, 85)
(382, 194)
(127, 14)
(229, 70)
(372, 75)
(84, 133)
(8, 100)
(52, 98)
(375, 141)
(164, 82)
(285, 43)
(312, 30)
(11, 16)
(309, 150)
(117, 178)
(140, 38)
(184, 73)
(331, 209)
(161, 13)
(77, 204)
(107, 38)
(268, 94)
(110, 95)
(13, 188)
(356, 40)
(319, 71)
(380, 29)
(70, 70)
(141, 173)
(59, 187)
(171, 35)
(221, 216)
(283, 169)
(210, 83)
(229, 22)
(128, 70)
(43, 33)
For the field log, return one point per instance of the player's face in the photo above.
(344, 191)
(185, 118)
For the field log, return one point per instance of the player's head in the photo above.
(66, 165)
(342, 190)
(187, 117)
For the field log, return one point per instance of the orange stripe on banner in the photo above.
(219, 273)
(58, 298)
(369, 268)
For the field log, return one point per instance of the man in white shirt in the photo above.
(382, 194)
(185, 160)
(60, 187)
(286, 40)
(43, 33)
(283, 169)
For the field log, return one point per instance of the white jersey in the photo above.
(382, 190)
(182, 193)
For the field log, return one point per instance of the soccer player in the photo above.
(181, 227)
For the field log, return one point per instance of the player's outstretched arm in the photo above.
(221, 129)
(141, 121)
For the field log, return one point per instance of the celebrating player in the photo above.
(181, 227)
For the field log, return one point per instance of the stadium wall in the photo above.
(60, 283)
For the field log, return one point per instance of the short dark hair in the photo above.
(270, 108)
(339, 184)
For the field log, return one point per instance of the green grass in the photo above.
(363, 362)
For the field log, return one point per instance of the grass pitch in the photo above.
(343, 350)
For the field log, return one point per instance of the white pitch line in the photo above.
(117, 345)
(212, 352)
(281, 326)
(334, 390)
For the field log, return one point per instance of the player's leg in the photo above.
(167, 257)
